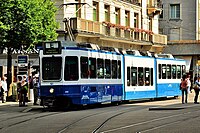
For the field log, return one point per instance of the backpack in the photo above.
(184, 84)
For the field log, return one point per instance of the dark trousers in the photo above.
(196, 95)
(184, 94)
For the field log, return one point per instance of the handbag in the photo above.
(195, 86)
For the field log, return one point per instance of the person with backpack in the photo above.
(196, 90)
(184, 89)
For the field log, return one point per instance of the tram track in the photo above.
(181, 119)
(122, 111)
(25, 120)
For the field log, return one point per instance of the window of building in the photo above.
(136, 20)
(117, 15)
(95, 11)
(127, 18)
(161, 15)
(174, 34)
(107, 13)
(174, 11)
(78, 9)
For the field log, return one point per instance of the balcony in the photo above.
(109, 30)
(134, 2)
(154, 7)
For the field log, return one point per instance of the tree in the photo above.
(24, 23)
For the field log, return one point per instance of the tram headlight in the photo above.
(51, 90)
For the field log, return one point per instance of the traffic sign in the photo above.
(22, 63)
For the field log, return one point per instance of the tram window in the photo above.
(151, 77)
(147, 76)
(140, 76)
(178, 71)
(183, 69)
(164, 71)
(159, 71)
(119, 70)
(114, 69)
(92, 67)
(168, 69)
(50, 69)
(84, 67)
(100, 68)
(71, 68)
(128, 76)
(134, 76)
(107, 68)
(173, 71)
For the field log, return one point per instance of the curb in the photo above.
(166, 108)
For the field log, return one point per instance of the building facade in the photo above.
(180, 22)
(125, 24)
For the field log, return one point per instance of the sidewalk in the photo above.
(15, 106)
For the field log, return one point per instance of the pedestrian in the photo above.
(5, 90)
(1, 90)
(19, 90)
(24, 90)
(184, 89)
(188, 83)
(196, 89)
(35, 88)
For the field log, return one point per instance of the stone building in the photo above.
(126, 24)
(180, 22)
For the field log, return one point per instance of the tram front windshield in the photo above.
(51, 68)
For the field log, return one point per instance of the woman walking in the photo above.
(184, 89)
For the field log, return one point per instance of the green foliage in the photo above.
(26, 22)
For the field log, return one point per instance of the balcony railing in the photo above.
(154, 7)
(116, 31)
(134, 2)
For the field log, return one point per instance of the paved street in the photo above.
(149, 116)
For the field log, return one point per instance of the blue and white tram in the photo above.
(74, 75)
(169, 73)
(140, 80)
(71, 74)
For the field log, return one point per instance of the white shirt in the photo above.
(188, 82)
(4, 86)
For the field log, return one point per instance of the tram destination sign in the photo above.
(53, 47)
